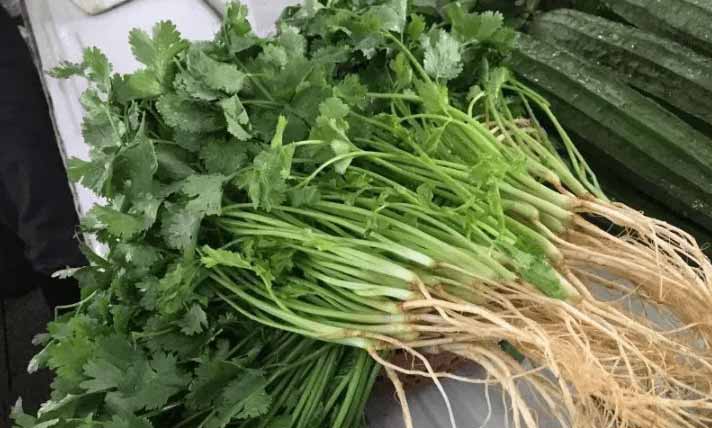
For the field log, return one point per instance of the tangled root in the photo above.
(658, 263)
(610, 367)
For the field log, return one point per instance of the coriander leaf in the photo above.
(146, 206)
(98, 69)
(173, 163)
(333, 108)
(415, 27)
(216, 75)
(266, 180)
(435, 96)
(293, 43)
(177, 288)
(137, 165)
(243, 398)
(142, 84)
(118, 224)
(206, 191)
(194, 321)
(67, 69)
(186, 83)
(352, 91)
(341, 148)
(392, 14)
(190, 141)
(157, 52)
(304, 196)
(236, 33)
(20, 418)
(211, 378)
(101, 127)
(443, 58)
(236, 116)
(128, 421)
(103, 376)
(179, 227)
(162, 380)
(68, 356)
(142, 46)
(189, 115)
(219, 257)
(94, 175)
(275, 55)
(490, 22)
(403, 70)
(223, 157)
(504, 39)
(481, 28)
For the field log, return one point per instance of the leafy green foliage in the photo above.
(244, 177)
(443, 59)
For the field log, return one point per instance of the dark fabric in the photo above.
(38, 222)
(37, 212)
(17, 330)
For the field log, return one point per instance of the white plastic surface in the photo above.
(62, 31)
(94, 7)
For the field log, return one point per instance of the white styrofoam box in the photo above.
(93, 7)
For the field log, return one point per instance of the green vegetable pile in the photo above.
(285, 213)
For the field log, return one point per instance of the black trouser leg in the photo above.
(38, 220)
(35, 198)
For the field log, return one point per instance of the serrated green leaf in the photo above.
(333, 108)
(137, 166)
(304, 196)
(416, 27)
(237, 31)
(179, 227)
(194, 321)
(218, 257)
(206, 191)
(118, 224)
(490, 22)
(341, 148)
(266, 180)
(392, 14)
(128, 421)
(352, 91)
(216, 75)
(435, 96)
(443, 57)
(243, 398)
(163, 380)
(236, 117)
(189, 115)
(189, 85)
(142, 84)
(102, 375)
(67, 69)
(101, 127)
(98, 69)
(157, 52)
(93, 175)
(291, 40)
(223, 157)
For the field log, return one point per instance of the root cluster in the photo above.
(633, 351)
